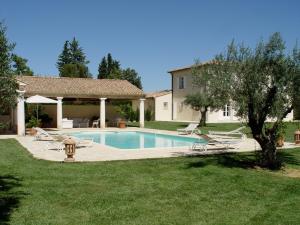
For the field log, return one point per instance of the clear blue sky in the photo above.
(149, 36)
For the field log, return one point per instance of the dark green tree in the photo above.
(77, 54)
(20, 67)
(132, 76)
(75, 70)
(262, 83)
(113, 67)
(64, 57)
(8, 84)
(110, 63)
(115, 73)
(72, 61)
(110, 68)
(102, 69)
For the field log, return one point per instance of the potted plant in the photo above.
(280, 136)
(33, 122)
(297, 135)
(122, 124)
(280, 140)
(3, 127)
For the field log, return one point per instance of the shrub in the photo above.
(148, 115)
(33, 122)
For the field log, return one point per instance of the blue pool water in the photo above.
(137, 140)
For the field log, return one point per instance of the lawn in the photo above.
(290, 127)
(224, 189)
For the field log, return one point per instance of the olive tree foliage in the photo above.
(208, 93)
(8, 84)
(262, 84)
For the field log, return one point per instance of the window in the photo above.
(165, 105)
(181, 83)
(226, 111)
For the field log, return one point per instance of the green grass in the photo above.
(223, 189)
(291, 127)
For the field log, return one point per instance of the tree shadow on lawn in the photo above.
(240, 160)
(9, 198)
(230, 160)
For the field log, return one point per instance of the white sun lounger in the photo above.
(190, 129)
(58, 142)
(218, 142)
(228, 133)
(42, 135)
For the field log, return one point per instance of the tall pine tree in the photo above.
(64, 57)
(109, 68)
(72, 61)
(77, 54)
(102, 69)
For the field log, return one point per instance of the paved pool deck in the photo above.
(100, 152)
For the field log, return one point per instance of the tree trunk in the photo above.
(268, 150)
(202, 122)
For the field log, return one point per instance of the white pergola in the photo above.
(21, 112)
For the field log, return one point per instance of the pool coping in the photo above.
(99, 152)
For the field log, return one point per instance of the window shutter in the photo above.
(184, 82)
(178, 80)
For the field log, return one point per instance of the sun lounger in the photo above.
(229, 133)
(217, 141)
(42, 135)
(190, 129)
(58, 142)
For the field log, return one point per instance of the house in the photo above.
(76, 98)
(182, 85)
(159, 103)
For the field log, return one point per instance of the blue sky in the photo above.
(149, 36)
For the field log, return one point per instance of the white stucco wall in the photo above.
(163, 113)
(157, 106)
(218, 117)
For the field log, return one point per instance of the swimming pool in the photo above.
(137, 139)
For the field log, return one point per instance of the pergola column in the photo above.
(102, 112)
(142, 111)
(21, 113)
(59, 113)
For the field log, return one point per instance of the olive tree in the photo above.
(208, 93)
(262, 84)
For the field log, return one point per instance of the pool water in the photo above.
(137, 140)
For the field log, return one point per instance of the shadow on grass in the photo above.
(288, 158)
(230, 160)
(243, 160)
(9, 198)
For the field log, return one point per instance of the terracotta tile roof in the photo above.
(188, 67)
(158, 94)
(79, 87)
